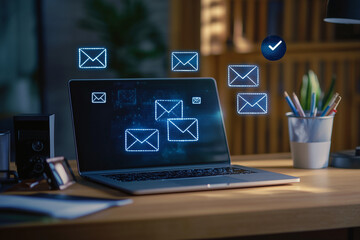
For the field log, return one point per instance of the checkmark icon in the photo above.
(273, 48)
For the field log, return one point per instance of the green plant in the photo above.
(131, 38)
(310, 84)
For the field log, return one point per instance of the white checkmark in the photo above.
(273, 48)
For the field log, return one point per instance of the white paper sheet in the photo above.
(58, 208)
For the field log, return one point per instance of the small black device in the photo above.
(346, 159)
(58, 173)
(34, 143)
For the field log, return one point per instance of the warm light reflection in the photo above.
(217, 28)
(213, 26)
(242, 45)
(266, 190)
(217, 12)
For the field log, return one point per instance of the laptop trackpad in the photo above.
(221, 180)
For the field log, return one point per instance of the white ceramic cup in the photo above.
(310, 140)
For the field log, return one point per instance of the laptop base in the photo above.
(258, 178)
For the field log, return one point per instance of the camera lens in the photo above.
(38, 167)
(37, 146)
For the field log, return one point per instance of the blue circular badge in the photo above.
(273, 47)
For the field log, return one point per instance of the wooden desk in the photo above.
(324, 199)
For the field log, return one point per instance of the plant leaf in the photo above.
(303, 90)
(315, 86)
(329, 94)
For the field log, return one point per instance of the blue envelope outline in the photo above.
(243, 76)
(170, 108)
(182, 130)
(98, 97)
(184, 61)
(252, 103)
(141, 140)
(196, 100)
(92, 58)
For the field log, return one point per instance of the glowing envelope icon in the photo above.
(243, 76)
(141, 140)
(183, 129)
(92, 58)
(252, 103)
(184, 61)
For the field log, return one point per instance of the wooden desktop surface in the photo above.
(324, 199)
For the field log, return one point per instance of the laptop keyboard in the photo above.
(189, 173)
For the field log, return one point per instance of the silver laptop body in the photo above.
(147, 136)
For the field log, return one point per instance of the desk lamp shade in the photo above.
(343, 11)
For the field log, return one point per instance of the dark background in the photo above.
(39, 41)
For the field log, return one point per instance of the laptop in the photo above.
(147, 136)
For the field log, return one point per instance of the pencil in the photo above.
(298, 105)
(331, 102)
(315, 112)
(313, 103)
(334, 106)
(288, 100)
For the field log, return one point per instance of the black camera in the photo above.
(34, 143)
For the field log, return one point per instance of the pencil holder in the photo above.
(310, 140)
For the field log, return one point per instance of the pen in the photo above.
(331, 106)
(334, 106)
(298, 106)
(315, 112)
(326, 110)
(288, 100)
(313, 103)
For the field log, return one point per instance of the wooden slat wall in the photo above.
(274, 107)
(289, 23)
(238, 21)
(316, 20)
(250, 25)
(310, 45)
(289, 69)
(305, 33)
(261, 141)
(263, 15)
(302, 17)
(355, 105)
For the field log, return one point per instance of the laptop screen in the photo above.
(138, 123)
